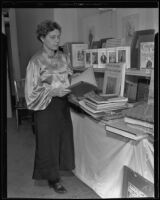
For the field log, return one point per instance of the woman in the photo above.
(47, 79)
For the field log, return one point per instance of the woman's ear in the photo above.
(42, 38)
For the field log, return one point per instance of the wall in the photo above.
(27, 20)
(68, 20)
(110, 24)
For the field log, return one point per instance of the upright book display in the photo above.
(114, 79)
(147, 55)
(78, 54)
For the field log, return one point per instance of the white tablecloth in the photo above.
(100, 157)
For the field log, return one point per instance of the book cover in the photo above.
(78, 54)
(121, 128)
(112, 55)
(94, 58)
(124, 55)
(102, 57)
(135, 185)
(114, 79)
(87, 58)
(147, 55)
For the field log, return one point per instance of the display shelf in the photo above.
(131, 72)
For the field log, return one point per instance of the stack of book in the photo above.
(141, 117)
(97, 105)
(114, 42)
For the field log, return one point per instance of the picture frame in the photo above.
(112, 55)
(135, 185)
(124, 55)
(138, 37)
(102, 57)
(87, 58)
(94, 58)
(78, 55)
(114, 79)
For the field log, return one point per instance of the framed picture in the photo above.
(78, 54)
(111, 55)
(124, 55)
(87, 58)
(102, 57)
(114, 79)
(135, 185)
(140, 36)
(94, 58)
(147, 55)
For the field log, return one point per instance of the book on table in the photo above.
(138, 122)
(114, 79)
(121, 128)
(104, 99)
(142, 112)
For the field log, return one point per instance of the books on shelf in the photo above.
(130, 90)
(147, 55)
(138, 122)
(114, 42)
(114, 79)
(121, 128)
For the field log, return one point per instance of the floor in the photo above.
(20, 158)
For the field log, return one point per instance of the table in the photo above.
(100, 156)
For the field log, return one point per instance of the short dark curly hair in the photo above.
(45, 27)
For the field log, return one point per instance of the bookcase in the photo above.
(140, 79)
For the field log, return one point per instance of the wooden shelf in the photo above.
(130, 72)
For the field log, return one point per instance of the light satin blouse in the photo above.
(44, 74)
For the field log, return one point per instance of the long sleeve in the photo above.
(36, 92)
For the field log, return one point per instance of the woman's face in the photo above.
(52, 39)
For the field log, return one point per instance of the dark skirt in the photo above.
(54, 140)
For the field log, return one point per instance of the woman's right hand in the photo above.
(59, 92)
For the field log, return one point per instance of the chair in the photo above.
(22, 112)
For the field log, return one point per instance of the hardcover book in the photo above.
(135, 185)
(147, 55)
(114, 79)
(121, 128)
(81, 88)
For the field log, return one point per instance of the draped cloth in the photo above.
(53, 126)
